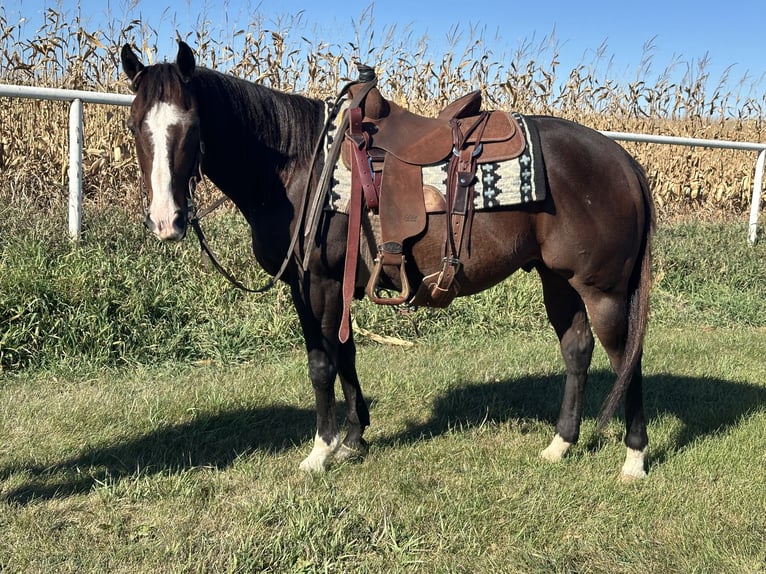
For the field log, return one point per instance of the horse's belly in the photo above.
(499, 244)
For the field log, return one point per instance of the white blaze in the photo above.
(159, 120)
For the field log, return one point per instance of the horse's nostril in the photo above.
(167, 230)
(179, 221)
(176, 231)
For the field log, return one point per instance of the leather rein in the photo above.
(311, 221)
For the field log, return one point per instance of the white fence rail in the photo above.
(78, 97)
(755, 200)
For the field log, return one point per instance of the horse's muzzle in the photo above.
(174, 230)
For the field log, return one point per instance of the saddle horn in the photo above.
(366, 73)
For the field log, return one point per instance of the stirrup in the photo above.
(372, 290)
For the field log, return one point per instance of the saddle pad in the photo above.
(513, 182)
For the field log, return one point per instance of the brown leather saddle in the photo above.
(386, 147)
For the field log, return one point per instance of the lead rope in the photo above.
(193, 218)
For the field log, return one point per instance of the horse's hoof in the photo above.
(628, 478)
(556, 450)
(312, 465)
(633, 469)
(351, 453)
(320, 455)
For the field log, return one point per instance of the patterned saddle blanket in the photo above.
(498, 183)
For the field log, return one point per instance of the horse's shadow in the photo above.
(705, 406)
(209, 440)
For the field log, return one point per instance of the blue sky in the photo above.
(680, 32)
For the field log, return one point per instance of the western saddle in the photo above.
(386, 147)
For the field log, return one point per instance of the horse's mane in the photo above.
(162, 82)
(286, 123)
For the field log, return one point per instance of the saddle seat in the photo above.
(421, 140)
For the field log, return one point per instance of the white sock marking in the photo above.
(320, 455)
(556, 449)
(634, 464)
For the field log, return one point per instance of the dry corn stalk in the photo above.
(33, 138)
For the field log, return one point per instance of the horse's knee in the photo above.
(322, 371)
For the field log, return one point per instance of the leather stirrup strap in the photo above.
(459, 215)
(461, 185)
(361, 162)
(361, 183)
(325, 180)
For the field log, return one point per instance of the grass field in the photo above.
(166, 437)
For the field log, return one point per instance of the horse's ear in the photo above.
(131, 65)
(185, 60)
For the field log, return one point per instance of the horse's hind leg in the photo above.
(610, 321)
(566, 312)
(636, 438)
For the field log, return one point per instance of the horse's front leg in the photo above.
(319, 309)
(357, 415)
(322, 372)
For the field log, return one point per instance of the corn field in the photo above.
(61, 53)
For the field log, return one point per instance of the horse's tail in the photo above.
(638, 304)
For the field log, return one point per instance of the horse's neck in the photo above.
(250, 148)
(255, 163)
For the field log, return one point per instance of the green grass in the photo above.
(165, 436)
(121, 298)
(194, 469)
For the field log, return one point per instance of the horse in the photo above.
(589, 240)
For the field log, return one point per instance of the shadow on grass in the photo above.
(705, 407)
(210, 440)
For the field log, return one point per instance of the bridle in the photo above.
(193, 216)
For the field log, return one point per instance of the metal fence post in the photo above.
(755, 203)
(75, 168)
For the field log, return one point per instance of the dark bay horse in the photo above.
(589, 240)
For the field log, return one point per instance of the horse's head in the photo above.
(165, 124)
